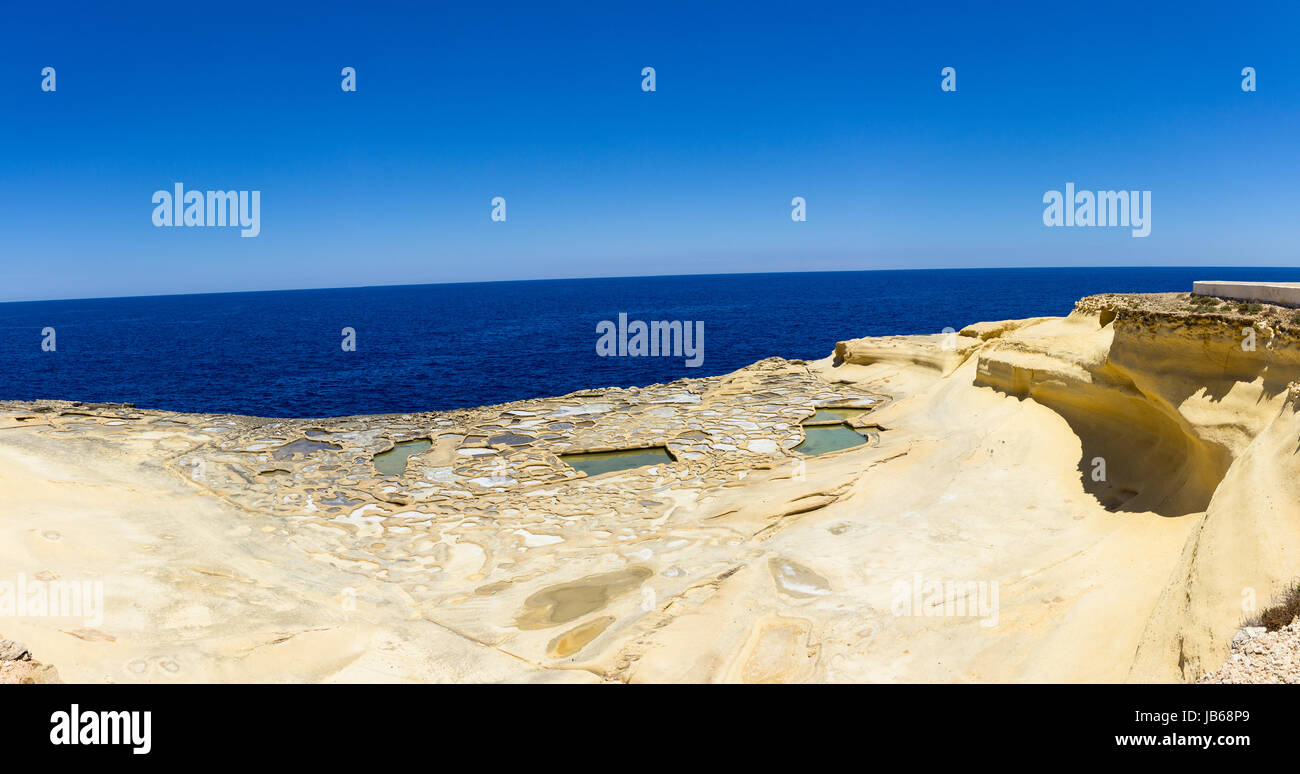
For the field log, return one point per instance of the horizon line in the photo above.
(627, 276)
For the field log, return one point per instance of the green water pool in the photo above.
(822, 439)
(595, 463)
(393, 461)
(829, 415)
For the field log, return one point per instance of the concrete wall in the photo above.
(1283, 293)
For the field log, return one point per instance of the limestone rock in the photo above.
(18, 668)
(1052, 499)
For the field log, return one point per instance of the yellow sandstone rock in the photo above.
(1098, 497)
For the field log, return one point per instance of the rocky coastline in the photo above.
(1120, 485)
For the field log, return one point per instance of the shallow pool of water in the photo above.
(834, 415)
(595, 463)
(822, 439)
(393, 461)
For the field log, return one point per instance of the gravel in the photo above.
(1261, 656)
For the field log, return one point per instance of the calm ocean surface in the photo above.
(429, 347)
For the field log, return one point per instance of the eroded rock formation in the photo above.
(972, 538)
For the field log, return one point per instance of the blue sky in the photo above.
(541, 103)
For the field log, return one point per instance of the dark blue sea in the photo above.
(430, 347)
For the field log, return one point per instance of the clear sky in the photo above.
(541, 103)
